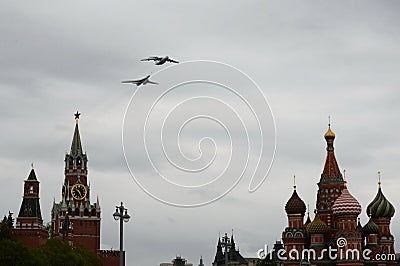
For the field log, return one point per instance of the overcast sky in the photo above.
(311, 59)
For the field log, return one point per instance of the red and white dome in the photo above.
(346, 204)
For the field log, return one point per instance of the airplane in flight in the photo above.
(160, 60)
(139, 82)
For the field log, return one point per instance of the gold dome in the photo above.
(317, 226)
(329, 133)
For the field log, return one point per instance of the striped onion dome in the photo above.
(317, 226)
(346, 204)
(370, 228)
(380, 206)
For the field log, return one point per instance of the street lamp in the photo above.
(122, 217)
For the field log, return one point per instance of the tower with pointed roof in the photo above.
(346, 210)
(201, 261)
(331, 182)
(381, 212)
(316, 231)
(294, 235)
(228, 254)
(29, 225)
(83, 216)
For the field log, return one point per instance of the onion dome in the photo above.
(371, 228)
(380, 206)
(295, 204)
(317, 226)
(346, 204)
(329, 134)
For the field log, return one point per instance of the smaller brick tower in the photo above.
(294, 236)
(29, 226)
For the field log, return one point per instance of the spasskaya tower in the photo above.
(74, 218)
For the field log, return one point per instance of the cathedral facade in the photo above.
(335, 236)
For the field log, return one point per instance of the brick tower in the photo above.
(29, 226)
(83, 218)
(330, 185)
(294, 236)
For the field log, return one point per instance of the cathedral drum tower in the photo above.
(75, 219)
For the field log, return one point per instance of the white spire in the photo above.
(64, 204)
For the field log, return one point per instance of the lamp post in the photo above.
(122, 217)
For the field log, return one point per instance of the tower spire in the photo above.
(76, 146)
(379, 179)
(201, 261)
(331, 169)
(294, 182)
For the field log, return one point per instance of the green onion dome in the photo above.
(317, 226)
(370, 228)
(380, 206)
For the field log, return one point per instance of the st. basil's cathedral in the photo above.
(336, 217)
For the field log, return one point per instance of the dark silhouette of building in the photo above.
(201, 261)
(227, 254)
(178, 261)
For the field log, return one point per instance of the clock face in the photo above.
(78, 191)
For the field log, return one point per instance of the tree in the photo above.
(5, 231)
(59, 253)
(55, 252)
(10, 220)
(14, 253)
(11, 251)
